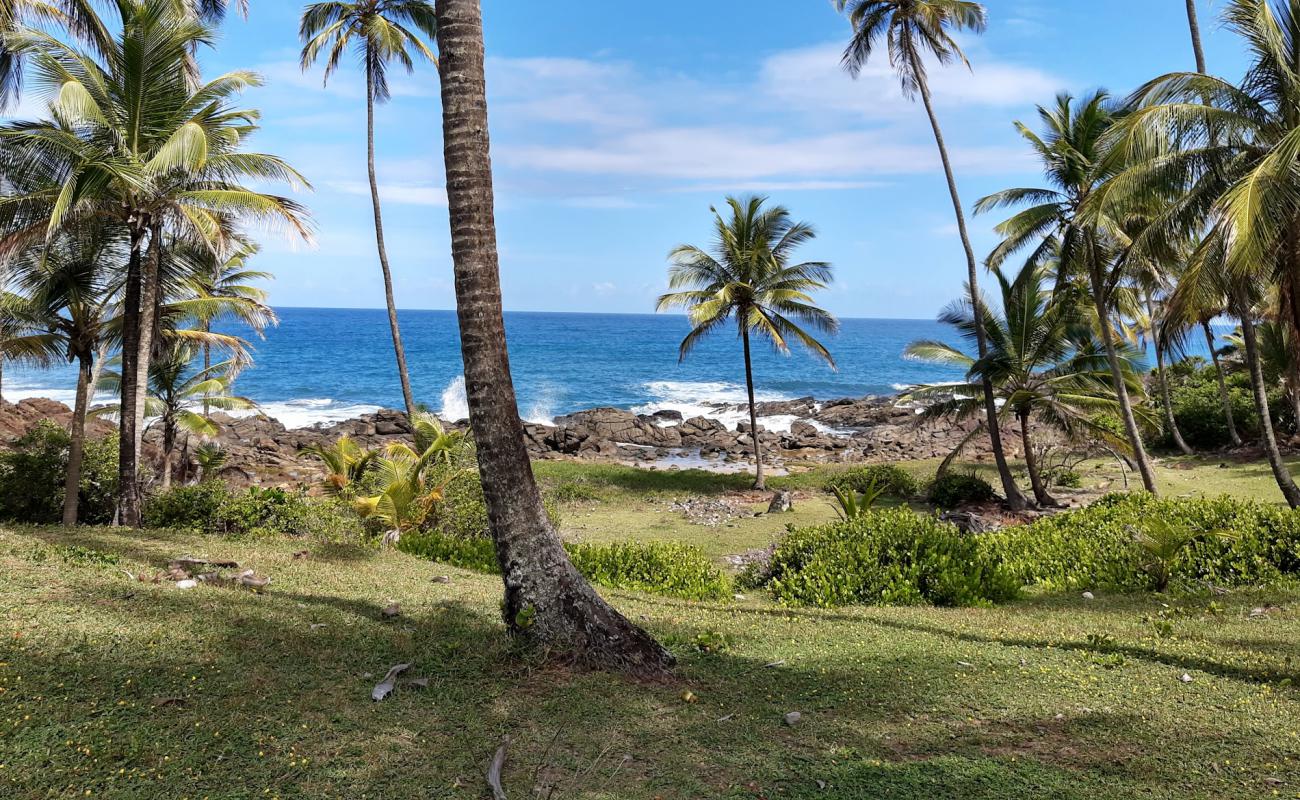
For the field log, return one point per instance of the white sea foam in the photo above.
(309, 411)
(455, 406)
(725, 402)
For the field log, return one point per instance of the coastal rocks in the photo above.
(599, 425)
(17, 419)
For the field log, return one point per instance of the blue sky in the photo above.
(616, 125)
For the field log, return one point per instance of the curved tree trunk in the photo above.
(547, 602)
(1260, 391)
(1163, 380)
(1015, 498)
(759, 482)
(398, 350)
(1101, 300)
(128, 455)
(1224, 397)
(150, 298)
(77, 445)
(1041, 494)
(1195, 27)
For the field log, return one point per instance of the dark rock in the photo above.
(782, 502)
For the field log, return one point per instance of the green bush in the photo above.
(890, 557)
(211, 507)
(890, 479)
(667, 568)
(1096, 547)
(956, 489)
(670, 568)
(33, 472)
(1198, 408)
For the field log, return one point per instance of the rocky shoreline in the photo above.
(262, 451)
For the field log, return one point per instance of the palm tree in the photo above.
(1157, 325)
(346, 462)
(1226, 156)
(381, 32)
(1072, 153)
(749, 278)
(222, 287)
(1041, 360)
(174, 387)
(547, 601)
(410, 484)
(68, 289)
(147, 148)
(78, 17)
(909, 29)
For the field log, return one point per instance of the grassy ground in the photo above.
(114, 688)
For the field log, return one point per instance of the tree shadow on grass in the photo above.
(1183, 661)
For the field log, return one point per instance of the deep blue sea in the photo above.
(321, 365)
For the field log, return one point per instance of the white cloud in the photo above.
(811, 78)
(397, 193)
(749, 154)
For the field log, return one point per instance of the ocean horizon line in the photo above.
(637, 314)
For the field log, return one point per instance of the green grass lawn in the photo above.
(118, 689)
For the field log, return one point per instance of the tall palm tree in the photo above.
(69, 288)
(1041, 360)
(547, 601)
(910, 29)
(1071, 151)
(147, 148)
(1226, 154)
(380, 31)
(749, 278)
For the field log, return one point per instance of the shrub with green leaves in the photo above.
(212, 507)
(33, 472)
(667, 568)
(1229, 542)
(957, 489)
(890, 480)
(889, 557)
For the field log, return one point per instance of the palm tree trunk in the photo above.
(1171, 424)
(1041, 494)
(759, 482)
(169, 447)
(1260, 390)
(1015, 498)
(547, 602)
(398, 350)
(77, 446)
(1195, 27)
(1140, 458)
(150, 297)
(207, 365)
(1224, 397)
(128, 454)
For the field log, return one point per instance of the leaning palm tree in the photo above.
(1225, 155)
(748, 279)
(547, 601)
(1071, 150)
(909, 30)
(134, 141)
(380, 31)
(175, 388)
(1041, 360)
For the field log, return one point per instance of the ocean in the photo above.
(322, 365)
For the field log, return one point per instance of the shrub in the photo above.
(890, 480)
(212, 507)
(667, 568)
(891, 557)
(955, 489)
(462, 513)
(33, 472)
(1099, 546)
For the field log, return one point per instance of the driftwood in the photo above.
(494, 771)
